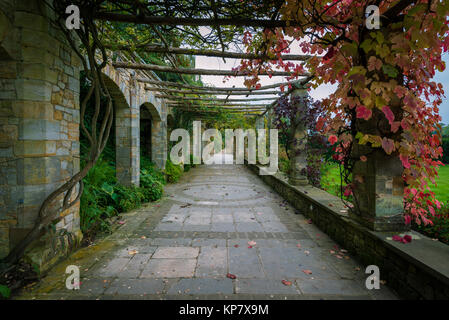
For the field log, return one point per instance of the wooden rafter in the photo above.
(238, 93)
(210, 53)
(165, 20)
(210, 72)
(171, 97)
(218, 89)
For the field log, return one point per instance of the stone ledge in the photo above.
(418, 270)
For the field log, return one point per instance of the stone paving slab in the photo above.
(169, 268)
(216, 220)
(202, 286)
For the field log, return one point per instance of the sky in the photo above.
(319, 93)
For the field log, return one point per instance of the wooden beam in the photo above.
(238, 93)
(210, 72)
(210, 53)
(165, 20)
(262, 106)
(223, 89)
(166, 96)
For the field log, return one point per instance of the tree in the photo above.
(385, 96)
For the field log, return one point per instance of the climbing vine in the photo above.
(287, 112)
(383, 78)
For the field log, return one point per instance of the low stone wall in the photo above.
(417, 270)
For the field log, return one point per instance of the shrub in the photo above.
(172, 171)
(152, 187)
(440, 228)
(103, 198)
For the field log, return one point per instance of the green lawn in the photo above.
(442, 188)
(331, 181)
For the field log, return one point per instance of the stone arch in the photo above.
(127, 154)
(154, 132)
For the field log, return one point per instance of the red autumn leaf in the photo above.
(363, 112)
(404, 160)
(333, 139)
(363, 158)
(388, 114)
(286, 283)
(408, 238)
(397, 238)
(307, 271)
(231, 276)
(388, 145)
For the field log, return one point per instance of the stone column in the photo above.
(159, 143)
(378, 185)
(39, 118)
(298, 136)
(127, 145)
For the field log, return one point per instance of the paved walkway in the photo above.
(216, 223)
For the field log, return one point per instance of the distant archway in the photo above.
(153, 134)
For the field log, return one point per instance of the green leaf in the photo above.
(367, 45)
(107, 188)
(349, 49)
(390, 70)
(5, 292)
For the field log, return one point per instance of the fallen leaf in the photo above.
(384, 282)
(236, 246)
(121, 222)
(231, 276)
(250, 247)
(307, 252)
(339, 256)
(343, 250)
(286, 283)
(357, 269)
(133, 252)
(252, 243)
(332, 251)
(143, 237)
(307, 271)
(299, 245)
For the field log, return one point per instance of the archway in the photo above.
(153, 134)
(127, 156)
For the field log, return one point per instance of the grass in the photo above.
(442, 188)
(330, 178)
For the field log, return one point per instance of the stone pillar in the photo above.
(298, 136)
(159, 143)
(127, 145)
(378, 185)
(39, 118)
(260, 122)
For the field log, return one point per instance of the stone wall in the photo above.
(129, 96)
(418, 270)
(39, 118)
